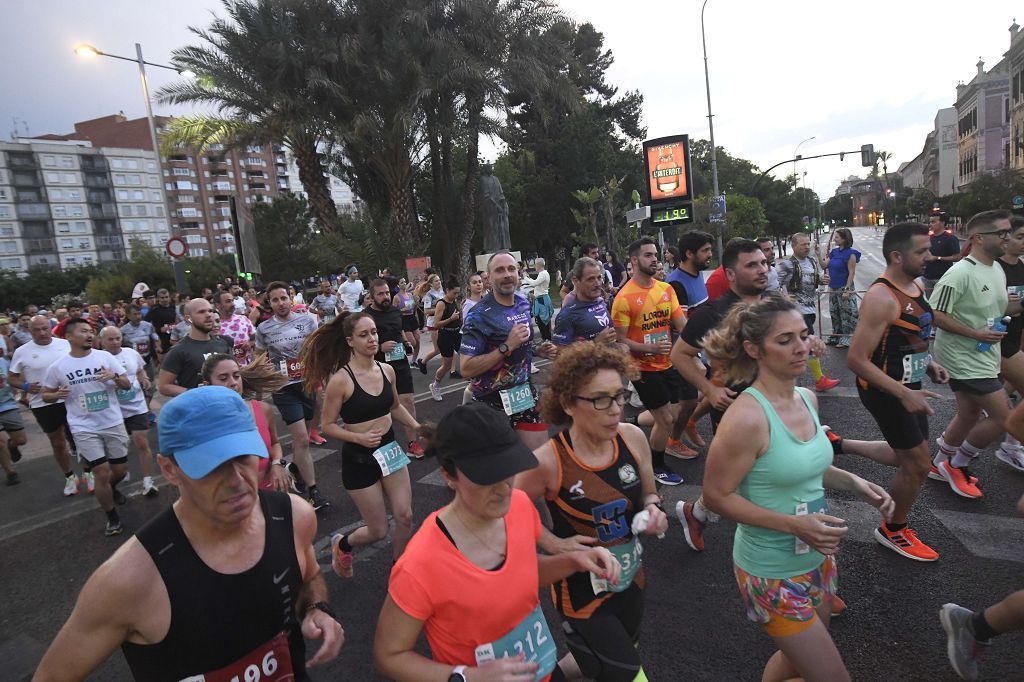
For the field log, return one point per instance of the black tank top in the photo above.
(1014, 278)
(598, 503)
(225, 623)
(363, 407)
(906, 335)
(449, 309)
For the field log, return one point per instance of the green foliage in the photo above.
(285, 232)
(361, 242)
(41, 285)
(989, 191)
(744, 216)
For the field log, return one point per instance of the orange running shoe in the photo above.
(341, 560)
(693, 529)
(933, 473)
(905, 542)
(691, 433)
(838, 606)
(825, 384)
(678, 448)
(959, 479)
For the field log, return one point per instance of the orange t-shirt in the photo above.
(648, 314)
(462, 605)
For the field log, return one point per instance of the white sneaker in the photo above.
(533, 368)
(90, 481)
(71, 485)
(149, 488)
(435, 391)
(634, 399)
(1013, 456)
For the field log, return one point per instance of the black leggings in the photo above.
(604, 645)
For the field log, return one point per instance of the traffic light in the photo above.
(867, 155)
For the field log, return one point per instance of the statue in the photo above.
(493, 212)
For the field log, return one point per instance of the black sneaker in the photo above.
(317, 500)
(298, 485)
(15, 453)
(455, 375)
(13, 478)
(113, 529)
(422, 365)
(119, 497)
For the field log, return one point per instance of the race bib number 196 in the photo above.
(270, 662)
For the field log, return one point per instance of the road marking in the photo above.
(322, 547)
(21, 655)
(985, 535)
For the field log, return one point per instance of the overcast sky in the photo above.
(847, 73)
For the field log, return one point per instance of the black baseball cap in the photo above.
(482, 444)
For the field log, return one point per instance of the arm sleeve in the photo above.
(947, 291)
(16, 362)
(698, 325)
(260, 341)
(677, 311)
(407, 592)
(620, 312)
(562, 335)
(52, 378)
(785, 270)
(172, 361)
(680, 291)
(474, 340)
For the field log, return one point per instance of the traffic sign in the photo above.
(1018, 201)
(176, 247)
(636, 215)
(717, 213)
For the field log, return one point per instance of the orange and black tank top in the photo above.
(597, 503)
(905, 339)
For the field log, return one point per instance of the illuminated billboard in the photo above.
(667, 161)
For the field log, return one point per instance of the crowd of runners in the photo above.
(529, 509)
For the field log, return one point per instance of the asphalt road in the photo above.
(694, 627)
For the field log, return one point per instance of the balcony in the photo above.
(40, 246)
(15, 160)
(28, 197)
(93, 163)
(253, 174)
(280, 160)
(178, 158)
(99, 197)
(29, 211)
(25, 179)
(102, 211)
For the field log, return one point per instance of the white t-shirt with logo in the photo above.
(132, 400)
(282, 340)
(92, 403)
(32, 362)
(351, 293)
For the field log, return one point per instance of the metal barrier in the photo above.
(823, 292)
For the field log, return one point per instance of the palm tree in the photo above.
(266, 70)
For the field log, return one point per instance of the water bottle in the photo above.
(997, 326)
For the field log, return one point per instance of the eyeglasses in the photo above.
(604, 402)
(1002, 234)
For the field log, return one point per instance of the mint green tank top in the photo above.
(785, 479)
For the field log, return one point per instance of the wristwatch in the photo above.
(323, 606)
(458, 674)
(280, 462)
(504, 349)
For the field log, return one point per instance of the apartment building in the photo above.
(341, 193)
(65, 204)
(983, 122)
(940, 154)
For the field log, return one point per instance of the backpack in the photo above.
(797, 281)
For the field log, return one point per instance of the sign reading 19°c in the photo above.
(176, 247)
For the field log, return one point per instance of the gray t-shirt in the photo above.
(142, 337)
(326, 306)
(806, 296)
(282, 339)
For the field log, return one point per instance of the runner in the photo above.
(373, 465)
(86, 380)
(351, 291)
(966, 301)
(74, 311)
(223, 542)
(1011, 364)
(406, 304)
(586, 318)
(28, 371)
(11, 426)
(163, 316)
(326, 304)
(470, 576)
(645, 313)
(181, 367)
(889, 354)
(448, 320)
(497, 353)
(430, 292)
(132, 402)
(767, 469)
(597, 480)
(281, 338)
(257, 379)
(800, 275)
(22, 334)
(392, 351)
(236, 327)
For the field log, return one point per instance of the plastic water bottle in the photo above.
(996, 326)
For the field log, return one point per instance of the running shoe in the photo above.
(341, 561)
(959, 479)
(454, 375)
(13, 478)
(119, 497)
(298, 485)
(1014, 457)
(422, 365)
(317, 500)
(693, 435)
(435, 391)
(905, 543)
(838, 606)
(15, 453)
(315, 438)
(113, 529)
(152, 418)
(933, 473)
(90, 482)
(693, 529)
(825, 384)
(667, 477)
(149, 488)
(534, 369)
(962, 648)
(678, 448)
(415, 450)
(71, 485)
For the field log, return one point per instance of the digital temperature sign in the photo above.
(671, 215)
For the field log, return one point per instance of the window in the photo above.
(184, 185)
(69, 178)
(71, 260)
(49, 161)
(140, 209)
(151, 166)
(67, 243)
(60, 211)
(131, 164)
(8, 247)
(55, 194)
(119, 179)
(254, 161)
(254, 148)
(76, 211)
(75, 194)
(67, 162)
(158, 211)
(63, 227)
(154, 195)
(187, 199)
(5, 211)
(10, 263)
(182, 171)
(86, 260)
(6, 230)
(84, 244)
(52, 177)
(194, 239)
(79, 226)
(122, 195)
(188, 213)
(134, 180)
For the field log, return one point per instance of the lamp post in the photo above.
(711, 127)
(85, 50)
(798, 149)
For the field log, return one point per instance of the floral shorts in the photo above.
(785, 606)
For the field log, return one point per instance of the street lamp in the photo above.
(88, 51)
(795, 157)
(711, 126)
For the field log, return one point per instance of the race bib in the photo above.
(391, 458)
(396, 353)
(915, 367)
(328, 317)
(803, 509)
(531, 638)
(290, 368)
(270, 662)
(96, 401)
(656, 337)
(628, 556)
(141, 347)
(126, 395)
(241, 354)
(517, 399)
